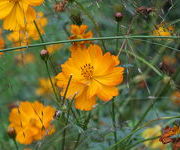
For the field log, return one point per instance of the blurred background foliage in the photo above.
(142, 87)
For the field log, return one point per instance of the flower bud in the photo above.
(11, 132)
(44, 55)
(118, 16)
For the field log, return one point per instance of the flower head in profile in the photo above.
(2, 42)
(175, 97)
(163, 30)
(16, 13)
(45, 87)
(153, 132)
(94, 74)
(79, 32)
(31, 121)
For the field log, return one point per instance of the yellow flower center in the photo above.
(87, 71)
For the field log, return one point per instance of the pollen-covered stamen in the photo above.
(87, 71)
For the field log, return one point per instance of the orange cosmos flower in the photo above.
(93, 75)
(45, 87)
(31, 121)
(16, 13)
(2, 42)
(79, 32)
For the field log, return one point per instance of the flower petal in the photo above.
(5, 8)
(106, 93)
(84, 103)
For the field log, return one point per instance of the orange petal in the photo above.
(84, 103)
(106, 93)
(113, 78)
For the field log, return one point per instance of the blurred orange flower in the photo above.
(45, 87)
(16, 13)
(175, 97)
(31, 121)
(93, 74)
(79, 32)
(169, 60)
(163, 30)
(23, 59)
(53, 48)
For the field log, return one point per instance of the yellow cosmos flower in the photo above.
(24, 36)
(153, 132)
(163, 30)
(45, 87)
(2, 42)
(24, 59)
(31, 121)
(16, 13)
(53, 48)
(79, 32)
(93, 75)
(41, 22)
(175, 97)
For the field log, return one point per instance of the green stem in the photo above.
(93, 21)
(114, 122)
(54, 90)
(16, 145)
(77, 141)
(37, 28)
(66, 90)
(92, 39)
(141, 141)
(117, 33)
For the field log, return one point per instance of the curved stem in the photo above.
(92, 39)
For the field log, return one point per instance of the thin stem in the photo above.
(66, 90)
(37, 28)
(93, 21)
(114, 122)
(117, 33)
(15, 143)
(77, 141)
(54, 90)
(92, 39)
(141, 141)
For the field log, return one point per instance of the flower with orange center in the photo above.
(163, 30)
(175, 97)
(79, 32)
(153, 132)
(31, 121)
(93, 75)
(16, 13)
(45, 87)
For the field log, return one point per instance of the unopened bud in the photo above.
(11, 132)
(118, 16)
(44, 54)
(57, 114)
